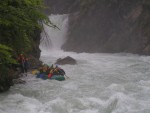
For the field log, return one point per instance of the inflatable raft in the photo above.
(54, 77)
(58, 77)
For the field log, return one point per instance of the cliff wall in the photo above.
(106, 25)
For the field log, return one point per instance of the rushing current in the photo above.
(99, 83)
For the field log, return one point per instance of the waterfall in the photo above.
(54, 38)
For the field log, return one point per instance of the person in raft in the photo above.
(59, 70)
(55, 71)
(50, 71)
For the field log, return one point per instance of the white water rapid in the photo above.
(99, 83)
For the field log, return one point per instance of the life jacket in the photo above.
(21, 59)
(52, 70)
(49, 75)
(60, 71)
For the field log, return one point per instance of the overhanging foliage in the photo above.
(19, 19)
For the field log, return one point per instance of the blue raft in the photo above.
(54, 77)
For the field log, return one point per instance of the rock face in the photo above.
(106, 25)
(61, 6)
(113, 26)
(66, 60)
(9, 75)
(6, 79)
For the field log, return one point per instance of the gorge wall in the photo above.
(106, 25)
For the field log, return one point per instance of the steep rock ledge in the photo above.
(12, 73)
(61, 6)
(116, 26)
(105, 25)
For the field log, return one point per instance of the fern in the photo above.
(6, 55)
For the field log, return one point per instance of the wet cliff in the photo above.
(106, 25)
(10, 72)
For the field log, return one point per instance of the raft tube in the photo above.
(54, 77)
(58, 77)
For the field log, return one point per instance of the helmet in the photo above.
(56, 65)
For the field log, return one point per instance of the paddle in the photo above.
(66, 75)
(62, 71)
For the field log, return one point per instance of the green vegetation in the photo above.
(6, 55)
(19, 22)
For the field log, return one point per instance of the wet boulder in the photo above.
(66, 60)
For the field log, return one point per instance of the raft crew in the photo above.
(46, 71)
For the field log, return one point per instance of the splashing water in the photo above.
(54, 38)
(99, 83)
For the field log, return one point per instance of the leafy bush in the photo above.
(19, 19)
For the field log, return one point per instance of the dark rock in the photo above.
(106, 27)
(4, 88)
(34, 62)
(6, 78)
(66, 60)
(61, 6)
(146, 50)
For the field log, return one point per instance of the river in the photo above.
(99, 83)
